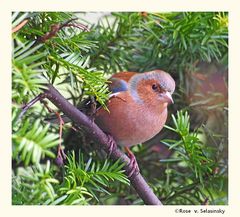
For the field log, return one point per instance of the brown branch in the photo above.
(55, 28)
(19, 26)
(137, 181)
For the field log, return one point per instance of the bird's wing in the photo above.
(119, 81)
(117, 85)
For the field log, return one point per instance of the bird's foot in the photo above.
(111, 144)
(133, 163)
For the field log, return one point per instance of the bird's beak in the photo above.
(168, 97)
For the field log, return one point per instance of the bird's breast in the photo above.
(130, 123)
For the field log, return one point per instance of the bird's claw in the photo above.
(111, 145)
(132, 164)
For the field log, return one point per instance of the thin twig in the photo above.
(55, 28)
(61, 156)
(19, 26)
(30, 104)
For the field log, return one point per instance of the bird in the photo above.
(137, 107)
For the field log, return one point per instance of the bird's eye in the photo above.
(154, 87)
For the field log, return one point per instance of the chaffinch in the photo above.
(137, 106)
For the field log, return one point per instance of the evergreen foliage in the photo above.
(78, 60)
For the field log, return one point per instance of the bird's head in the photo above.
(152, 87)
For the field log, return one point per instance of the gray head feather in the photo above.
(165, 80)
